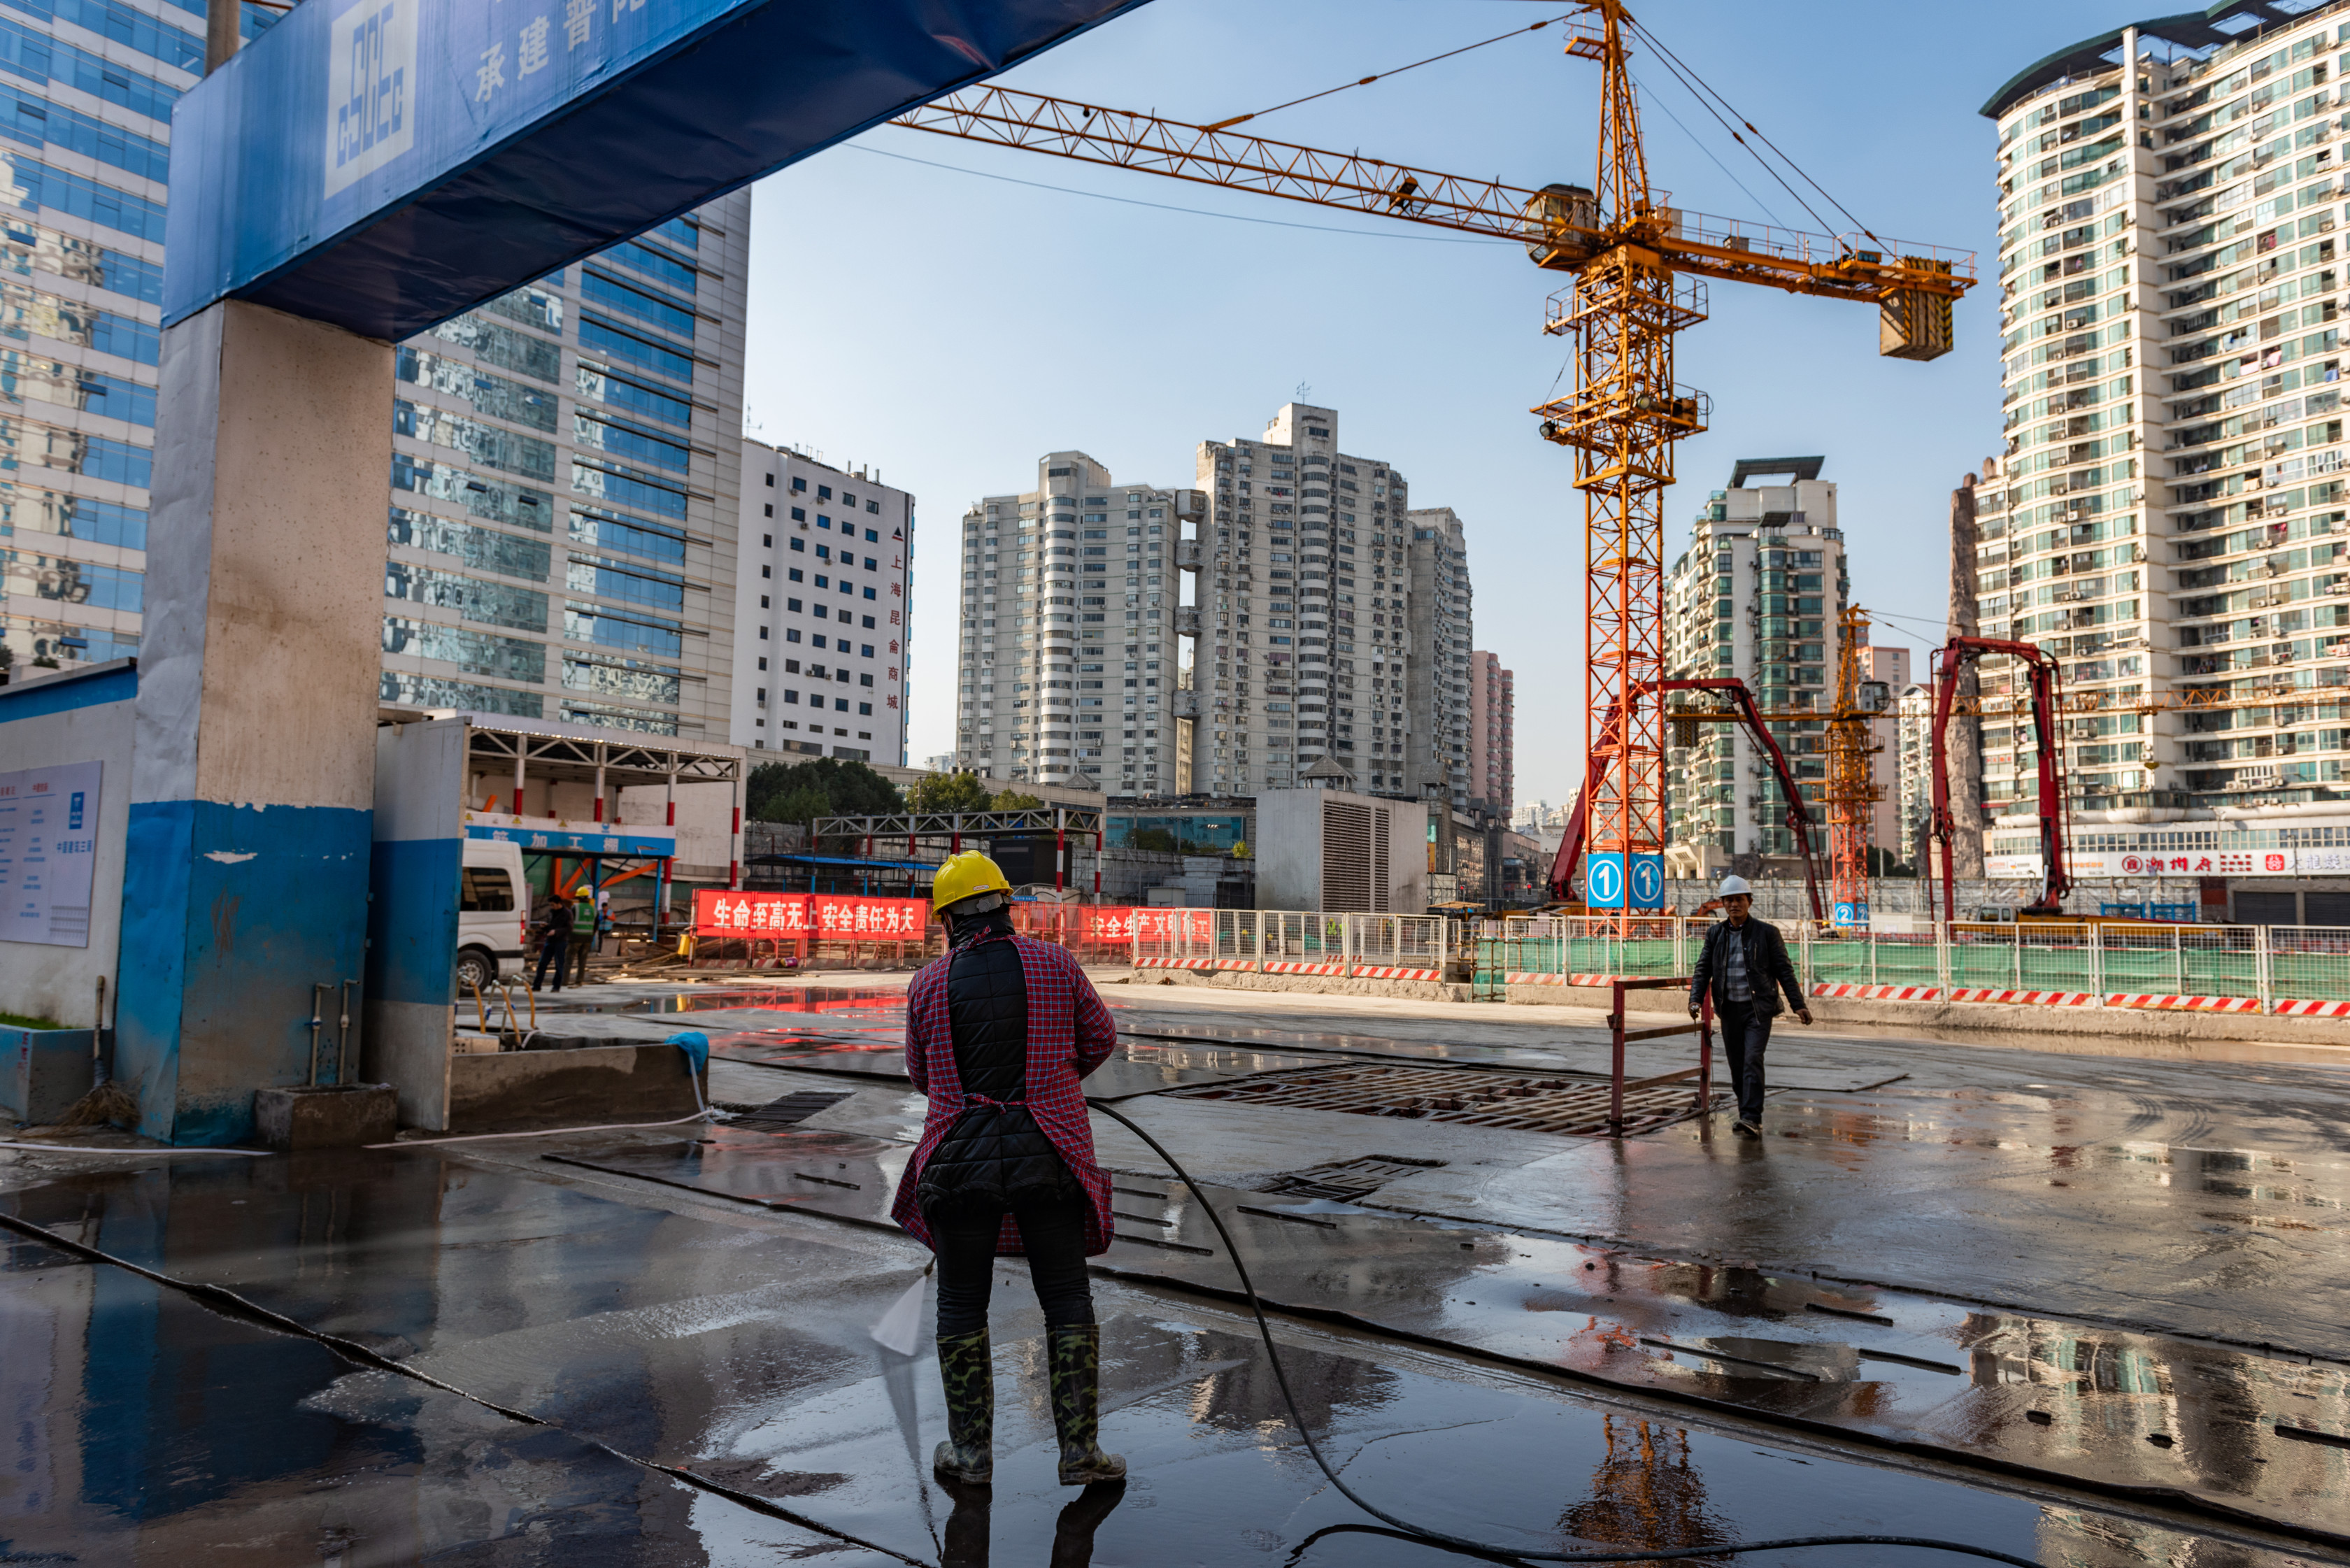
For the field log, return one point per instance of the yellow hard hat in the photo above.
(963, 876)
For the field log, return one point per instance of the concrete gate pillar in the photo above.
(254, 773)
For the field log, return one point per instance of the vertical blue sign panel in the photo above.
(386, 164)
(1603, 882)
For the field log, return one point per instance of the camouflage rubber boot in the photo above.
(968, 1371)
(1075, 1358)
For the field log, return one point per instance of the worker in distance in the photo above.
(999, 1032)
(1744, 964)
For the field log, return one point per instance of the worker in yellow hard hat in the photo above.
(999, 1032)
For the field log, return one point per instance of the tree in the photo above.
(1157, 838)
(822, 786)
(948, 791)
(1240, 849)
(1013, 800)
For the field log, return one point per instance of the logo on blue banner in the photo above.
(370, 66)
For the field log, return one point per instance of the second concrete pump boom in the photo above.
(2047, 695)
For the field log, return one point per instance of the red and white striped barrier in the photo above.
(1306, 969)
(1548, 978)
(1397, 974)
(2187, 1003)
(2027, 998)
(2312, 1010)
(1878, 992)
(1174, 964)
(1236, 963)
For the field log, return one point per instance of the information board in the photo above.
(49, 849)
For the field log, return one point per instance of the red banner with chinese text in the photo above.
(820, 917)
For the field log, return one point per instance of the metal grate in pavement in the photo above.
(1546, 1105)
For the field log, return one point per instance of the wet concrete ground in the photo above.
(623, 1370)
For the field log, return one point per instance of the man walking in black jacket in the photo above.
(1744, 964)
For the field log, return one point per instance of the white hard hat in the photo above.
(1735, 885)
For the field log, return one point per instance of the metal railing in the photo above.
(2289, 971)
(1296, 942)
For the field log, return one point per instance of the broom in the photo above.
(107, 1102)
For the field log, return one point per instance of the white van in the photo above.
(493, 914)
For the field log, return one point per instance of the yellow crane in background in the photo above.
(1637, 262)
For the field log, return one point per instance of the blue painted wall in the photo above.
(412, 921)
(229, 915)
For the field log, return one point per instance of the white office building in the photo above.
(823, 595)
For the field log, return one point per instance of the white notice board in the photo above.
(49, 848)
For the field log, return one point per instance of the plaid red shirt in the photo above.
(1069, 1035)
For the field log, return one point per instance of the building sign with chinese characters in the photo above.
(572, 837)
(387, 165)
(2109, 864)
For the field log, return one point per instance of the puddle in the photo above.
(144, 1426)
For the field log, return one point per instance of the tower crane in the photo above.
(1853, 791)
(1639, 267)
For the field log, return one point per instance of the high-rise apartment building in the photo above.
(1913, 707)
(2169, 518)
(1438, 680)
(1492, 754)
(823, 595)
(1069, 671)
(1757, 596)
(561, 499)
(1889, 667)
(1303, 593)
(89, 161)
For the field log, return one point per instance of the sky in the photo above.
(947, 312)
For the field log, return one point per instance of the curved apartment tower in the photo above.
(2169, 515)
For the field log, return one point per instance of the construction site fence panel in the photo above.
(2288, 970)
(1294, 941)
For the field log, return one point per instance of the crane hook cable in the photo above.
(1482, 1548)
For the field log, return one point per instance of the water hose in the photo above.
(1484, 1548)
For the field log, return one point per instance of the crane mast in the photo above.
(1621, 422)
(1628, 251)
(1852, 791)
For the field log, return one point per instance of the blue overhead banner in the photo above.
(386, 164)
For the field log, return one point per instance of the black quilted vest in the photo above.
(994, 1156)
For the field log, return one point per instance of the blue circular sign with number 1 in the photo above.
(1648, 880)
(1606, 880)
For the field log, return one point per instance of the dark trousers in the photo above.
(1745, 1035)
(550, 953)
(581, 944)
(1055, 1237)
